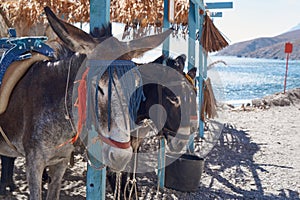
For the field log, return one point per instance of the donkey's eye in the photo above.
(100, 90)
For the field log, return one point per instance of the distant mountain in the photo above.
(267, 47)
(295, 28)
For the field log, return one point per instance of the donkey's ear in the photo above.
(138, 47)
(74, 38)
(181, 62)
(160, 59)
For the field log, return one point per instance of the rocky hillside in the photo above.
(272, 47)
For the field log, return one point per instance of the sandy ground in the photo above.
(256, 157)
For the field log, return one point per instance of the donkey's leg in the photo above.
(56, 172)
(7, 171)
(34, 171)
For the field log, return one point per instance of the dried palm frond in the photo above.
(211, 38)
(209, 105)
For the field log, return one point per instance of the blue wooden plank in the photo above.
(199, 3)
(99, 13)
(192, 21)
(161, 163)
(219, 5)
(166, 25)
(96, 175)
(216, 14)
(200, 85)
(96, 184)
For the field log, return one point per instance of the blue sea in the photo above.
(244, 79)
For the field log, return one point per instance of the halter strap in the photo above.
(114, 143)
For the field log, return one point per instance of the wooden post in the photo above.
(166, 25)
(161, 163)
(192, 22)
(99, 14)
(96, 175)
(96, 184)
(161, 152)
(201, 69)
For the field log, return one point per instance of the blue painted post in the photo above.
(99, 14)
(203, 55)
(96, 175)
(202, 69)
(196, 23)
(161, 163)
(166, 25)
(96, 186)
(192, 22)
(161, 152)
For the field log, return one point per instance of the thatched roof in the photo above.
(133, 13)
(148, 12)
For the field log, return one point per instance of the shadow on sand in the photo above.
(235, 152)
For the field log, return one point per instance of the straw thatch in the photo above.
(140, 17)
(209, 105)
(146, 12)
(211, 39)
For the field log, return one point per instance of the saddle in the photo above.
(12, 75)
(21, 53)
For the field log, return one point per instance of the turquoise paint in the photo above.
(96, 174)
(166, 25)
(219, 5)
(192, 34)
(216, 14)
(99, 13)
(161, 163)
(96, 178)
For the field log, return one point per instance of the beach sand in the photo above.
(256, 157)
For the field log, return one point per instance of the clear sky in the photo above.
(251, 19)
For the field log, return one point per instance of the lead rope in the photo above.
(67, 114)
(133, 182)
(8, 142)
(118, 186)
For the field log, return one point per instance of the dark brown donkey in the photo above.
(35, 120)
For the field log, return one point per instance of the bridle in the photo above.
(117, 68)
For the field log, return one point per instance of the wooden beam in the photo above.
(216, 14)
(219, 5)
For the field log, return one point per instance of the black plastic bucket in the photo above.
(183, 172)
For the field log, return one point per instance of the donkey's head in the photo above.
(110, 108)
(168, 99)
